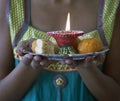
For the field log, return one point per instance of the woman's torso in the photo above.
(52, 15)
(44, 18)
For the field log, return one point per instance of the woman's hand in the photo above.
(35, 61)
(87, 62)
(24, 45)
(30, 60)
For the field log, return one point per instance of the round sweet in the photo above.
(89, 45)
(42, 46)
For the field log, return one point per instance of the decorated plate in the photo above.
(73, 56)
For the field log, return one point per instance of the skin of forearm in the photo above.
(100, 85)
(15, 85)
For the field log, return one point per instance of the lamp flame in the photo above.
(68, 23)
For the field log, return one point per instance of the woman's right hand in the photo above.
(31, 60)
(27, 59)
(24, 45)
(35, 61)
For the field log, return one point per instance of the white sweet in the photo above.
(39, 45)
(44, 47)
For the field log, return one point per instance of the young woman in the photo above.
(27, 80)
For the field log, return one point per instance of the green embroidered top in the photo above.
(20, 28)
(60, 86)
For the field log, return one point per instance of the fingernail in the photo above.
(36, 58)
(29, 56)
(42, 63)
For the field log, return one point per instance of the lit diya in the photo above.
(66, 37)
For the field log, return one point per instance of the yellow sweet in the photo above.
(42, 46)
(89, 45)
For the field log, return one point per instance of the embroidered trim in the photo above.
(100, 22)
(55, 70)
(25, 24)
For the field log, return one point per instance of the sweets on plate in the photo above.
(42, 46)
(67, 50)
(89, 45)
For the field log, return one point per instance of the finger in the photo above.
(26, 60)
(35, 62)
(100, 58)
(21, 46)
(89, 62)
(24, 45)
(89, 59)
(69, 61)
(63, 61)
(44, 63)
(20, 52)
(92, 61)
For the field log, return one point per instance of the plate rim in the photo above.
(74, 56)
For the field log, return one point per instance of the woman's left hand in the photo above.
(89, 61)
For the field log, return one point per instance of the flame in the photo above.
(68, 23)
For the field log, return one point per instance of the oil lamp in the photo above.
(67, 36)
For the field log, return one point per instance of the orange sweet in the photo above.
(89, 45)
